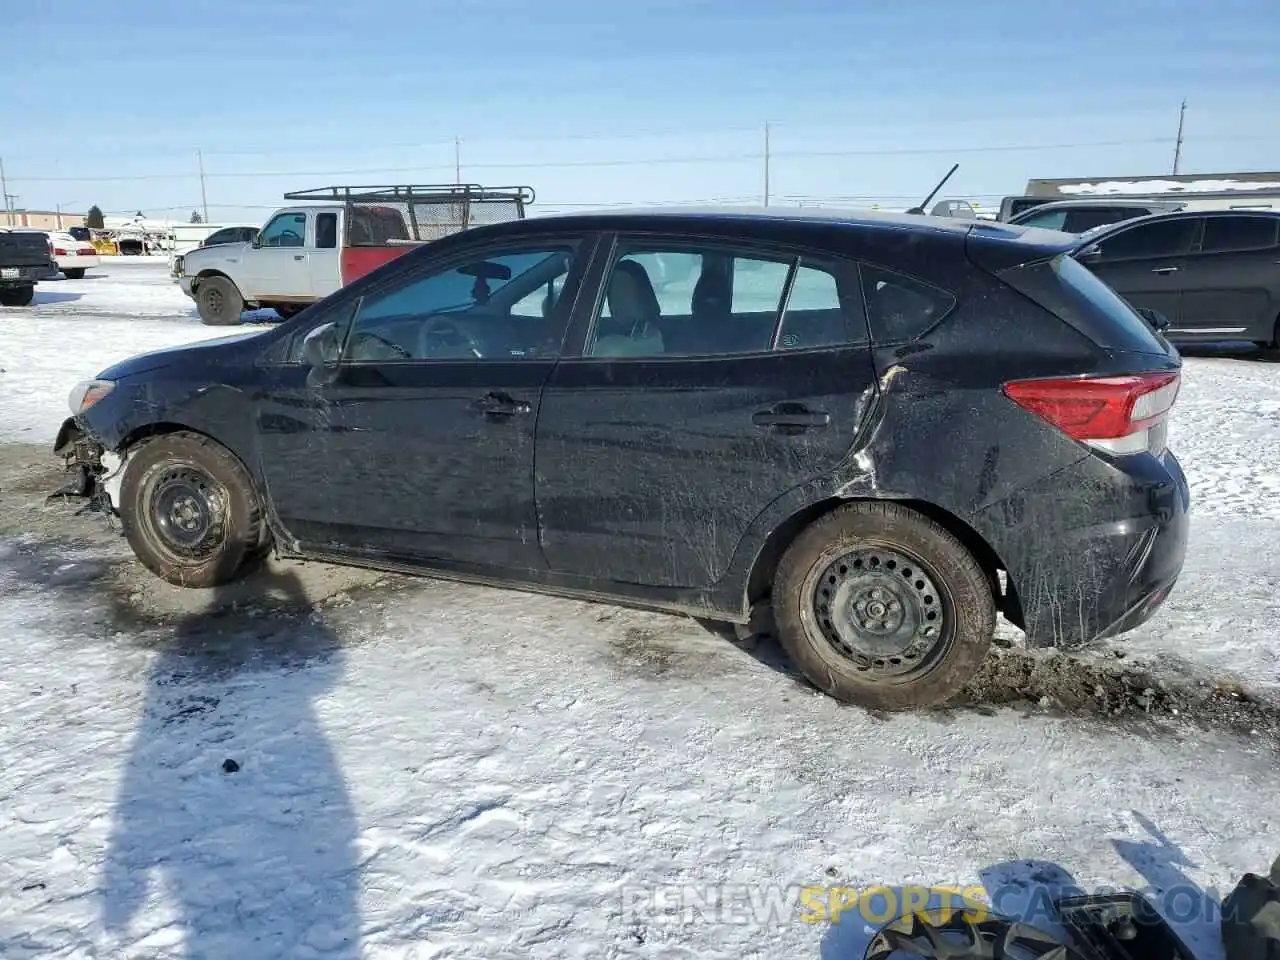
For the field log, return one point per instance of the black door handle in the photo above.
(787, 416)
(501, 405)
(299, 256)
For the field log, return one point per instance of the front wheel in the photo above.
(17, 296)
(881, 607)
(190, 511)
(218, 302)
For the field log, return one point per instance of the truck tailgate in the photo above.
(23, 250)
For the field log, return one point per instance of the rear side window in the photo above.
(1165, 238)
(899, 307)
(1229, 234)
(1086, 218)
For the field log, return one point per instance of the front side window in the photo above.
(1145, 241)
(1232, 234)
(286, 230)
(466, 311)
(1048, 220)
(713, 300)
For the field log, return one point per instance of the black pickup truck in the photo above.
(24, 259)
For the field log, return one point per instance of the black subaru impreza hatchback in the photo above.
(883, 429)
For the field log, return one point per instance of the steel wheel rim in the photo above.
(187, 510)
(213, 299)
(882, 611)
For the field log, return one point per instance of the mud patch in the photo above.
(1059, 683)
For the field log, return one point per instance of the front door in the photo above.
(714, 379)
(421, 449)
(1145, 263)
(276, 268)
(1232, 282)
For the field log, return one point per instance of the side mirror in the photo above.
(1090, 254)
(318, 351)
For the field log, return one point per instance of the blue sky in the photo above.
(607, 102)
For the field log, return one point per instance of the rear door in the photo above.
(324, 272)
(1145, 262)
(713, 377)
(1231, 282)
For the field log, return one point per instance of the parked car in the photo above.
(25, 260)
(306, 252)
(71, 257)
(1077, 216)
(828, 417)
(1214, 275)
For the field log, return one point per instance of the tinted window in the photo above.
(818, 314)
(1165, 238)
(1086, 218)
(708, 300)
(326, 231)
(1046, 220)
(220, 236)
(900, 307)
(1223, 234)
(285, 230)
(464, 312)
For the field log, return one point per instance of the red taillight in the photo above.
(59, 252)
(1116, 414)
(86, 251)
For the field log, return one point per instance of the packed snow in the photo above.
(426, 769)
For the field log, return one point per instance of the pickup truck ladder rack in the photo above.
(427, 193)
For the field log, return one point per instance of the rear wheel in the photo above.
(881, 607)
(75, 273)
(1273, 342)
(17, 296)
(219, 302)
(190, 511)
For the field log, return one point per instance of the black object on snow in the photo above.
(1121, 926)
(230, 766)
(1251, 917)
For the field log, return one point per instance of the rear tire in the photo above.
(218, 302)
(190, 511)
(75, 274)
(17, 296)
(881, 607)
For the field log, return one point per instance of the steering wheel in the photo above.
(364, 337)
(446, 333)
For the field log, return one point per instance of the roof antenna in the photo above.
(919, 211)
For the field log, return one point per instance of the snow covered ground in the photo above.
(434, 770)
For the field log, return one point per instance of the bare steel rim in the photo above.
(186, 511)
(882, 610)
(214, 298)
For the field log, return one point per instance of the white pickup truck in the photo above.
(306, 252)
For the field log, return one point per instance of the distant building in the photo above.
(1230, 190)
(41, 219)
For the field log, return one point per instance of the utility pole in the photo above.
(1177, 150)
(766, 163)
(204, 197)
(4, 188)
(457, 159)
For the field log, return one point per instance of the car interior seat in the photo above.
(631, 329)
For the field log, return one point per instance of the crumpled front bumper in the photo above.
(95, 471)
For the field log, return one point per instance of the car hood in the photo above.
(204, 352)
(219, 251)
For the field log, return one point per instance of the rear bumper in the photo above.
(1094, 551)
(25, 276)
(75, 261)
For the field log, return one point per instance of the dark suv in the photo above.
(885, 427)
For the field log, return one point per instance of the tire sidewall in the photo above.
(230, 298)
(241, 539)
(964, 587)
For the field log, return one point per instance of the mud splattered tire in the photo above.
(879, 606)
(190, 511)
(17, 296)
(219, 302)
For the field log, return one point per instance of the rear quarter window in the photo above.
(899, 307)
(1237, 234)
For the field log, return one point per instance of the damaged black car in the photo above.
(878, 431)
